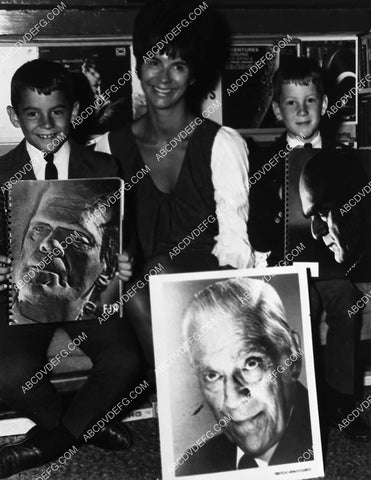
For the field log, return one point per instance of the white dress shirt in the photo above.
(296, 142)
(61, 161)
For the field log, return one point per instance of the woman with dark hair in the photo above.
(186, 195)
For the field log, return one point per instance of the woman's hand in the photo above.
(125, 267)
(5, 269)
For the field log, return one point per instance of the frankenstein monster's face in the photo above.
(59, 235)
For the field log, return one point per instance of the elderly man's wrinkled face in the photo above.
(236, 382)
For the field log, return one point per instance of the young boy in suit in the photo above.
(299, 101)
(43, 106)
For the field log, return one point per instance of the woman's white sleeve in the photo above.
(230, 169)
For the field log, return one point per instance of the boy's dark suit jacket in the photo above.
(83, 163)
(266, 217)
(220, 455)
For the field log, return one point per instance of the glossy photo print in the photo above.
(64, 236)
(235, 375)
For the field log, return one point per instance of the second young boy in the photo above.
(299, 101)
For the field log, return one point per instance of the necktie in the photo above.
(308, 145)
(51, 171)
(246, 462)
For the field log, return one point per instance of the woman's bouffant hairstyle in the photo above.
(194, 31)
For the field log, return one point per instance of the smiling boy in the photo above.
(299, 101)
(43, 105)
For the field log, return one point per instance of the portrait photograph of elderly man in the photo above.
(235, 375)
(64, 243)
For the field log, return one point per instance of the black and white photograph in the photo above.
(320, 183)
(154, 155)
(64, 240)
(235, 375)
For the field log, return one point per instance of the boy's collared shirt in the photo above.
(61, 161)
(295, 142)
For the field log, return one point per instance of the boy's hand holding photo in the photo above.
(5, 269)
(124, 267)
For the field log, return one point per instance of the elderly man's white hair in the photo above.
(256, 309)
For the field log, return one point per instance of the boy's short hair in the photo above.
(202, 42)
(297, 70)
(44, 77)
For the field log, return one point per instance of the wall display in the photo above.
(224, 387)
(338, 56)
(365, 58)
(64, 237)
(103, 80)
(248, 106)
(247, 81)
(102, 74)
(110, 93)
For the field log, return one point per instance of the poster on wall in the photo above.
(338, 57)
(102, 76)
(247, 84)
(247, 81)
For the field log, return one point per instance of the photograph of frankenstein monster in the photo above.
(64, 239)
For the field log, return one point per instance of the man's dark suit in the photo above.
(220, 455)
(111, 347)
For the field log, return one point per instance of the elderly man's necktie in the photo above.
(246, 462)
(51, 172)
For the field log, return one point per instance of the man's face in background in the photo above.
(235, 378)
(340, 233)
(59, 230)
